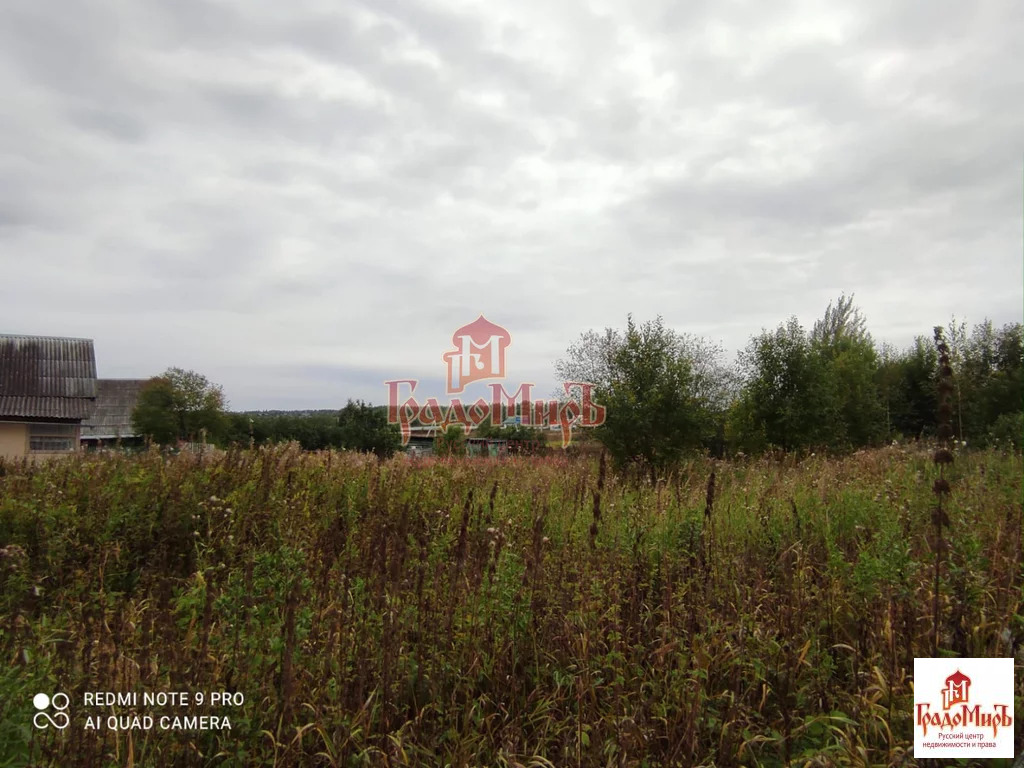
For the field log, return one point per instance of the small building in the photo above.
(110, 421)
(47, 387)
(486, 446)
(423, 440)
(421, 445)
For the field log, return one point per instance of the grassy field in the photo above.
(530, 612)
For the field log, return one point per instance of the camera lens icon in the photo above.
(60, 720)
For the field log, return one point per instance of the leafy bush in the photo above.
(1008, 430)
(451, 442)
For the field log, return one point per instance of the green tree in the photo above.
(451, 442)
(988, 387)
(154, 411)
(590, 358)
(988, 379)
(364, 427)
(785, 401)
(179, 405)
(654, 409)
(840, 323)
(1008, 430)
(840, 337)
(816, 390)
(617, 362)
(906, 384)
(314, 431)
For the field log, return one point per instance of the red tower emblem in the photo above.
(956, 690)
(479, 354)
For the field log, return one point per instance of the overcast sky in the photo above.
(302, 199)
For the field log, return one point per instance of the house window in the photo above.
(52, 438)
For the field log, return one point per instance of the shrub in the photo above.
(1008, 430)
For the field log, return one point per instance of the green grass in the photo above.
(459, 613)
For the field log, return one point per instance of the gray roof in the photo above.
(111, 415)
(46, 377)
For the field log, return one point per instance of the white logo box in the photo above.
(963, 708)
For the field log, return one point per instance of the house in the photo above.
(421, 445)
(423, 442)
(484, 446)
(111, 418)
(47, 387)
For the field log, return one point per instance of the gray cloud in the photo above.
(299, 200)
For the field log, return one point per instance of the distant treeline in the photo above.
(829, 388)
(313, 431)
(357, 426)
(839, 391)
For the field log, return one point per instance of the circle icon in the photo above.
(43, 719)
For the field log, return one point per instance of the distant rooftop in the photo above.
(46, 377)
(111, 416)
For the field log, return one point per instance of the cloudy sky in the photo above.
(303, 199)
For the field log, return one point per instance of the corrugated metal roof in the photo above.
(46, 377)
(111, 416)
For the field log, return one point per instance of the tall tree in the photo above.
(906, 386)
(987, 378)
(590, 358)
(849, 355)
(842, 322)
(811, 390)
(179, 405)
(645, 378)
(786, 400)
(365, 428)
(603, 359)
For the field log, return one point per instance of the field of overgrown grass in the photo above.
(530, 612)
